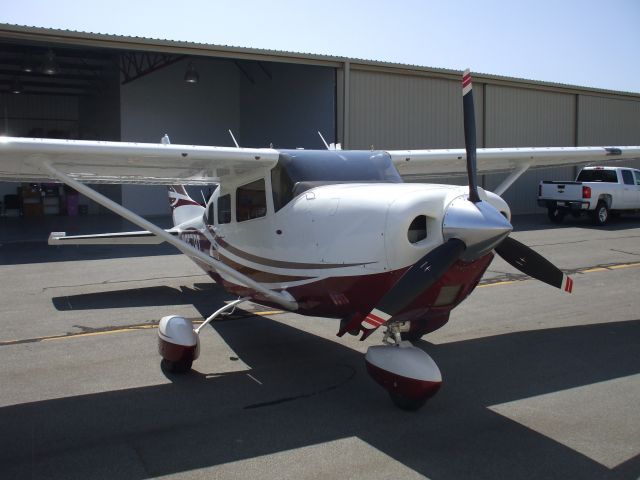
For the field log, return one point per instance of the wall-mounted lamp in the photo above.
(191, 75)
(49, 66)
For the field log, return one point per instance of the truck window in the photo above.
(251, 201)
(608, 176)
(637, 174)
(627, 176)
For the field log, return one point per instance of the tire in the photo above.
(181, 366)
(601, 214)
(407, 404)
(555, 214)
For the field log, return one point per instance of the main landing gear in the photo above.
(407, 373)
(179, 342)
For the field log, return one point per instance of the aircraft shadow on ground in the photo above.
(313, 391)
(207, 296)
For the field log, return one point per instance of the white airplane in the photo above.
(326, 233)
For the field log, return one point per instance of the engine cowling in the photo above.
(408, 373)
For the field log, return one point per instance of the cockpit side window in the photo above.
(281, 187)
(224, 208)
(209, 216)
(251, 201)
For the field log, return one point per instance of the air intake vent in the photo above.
(418, 229)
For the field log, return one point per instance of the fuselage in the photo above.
(335, 243)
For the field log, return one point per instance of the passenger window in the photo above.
(627, 176)
(251, 201)
(637, 174)
(224, 208)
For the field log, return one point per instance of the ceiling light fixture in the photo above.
(27, 64)
(16, 86)
(191, 75)
(49, 66)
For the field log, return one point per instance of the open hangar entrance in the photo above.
(54, 90)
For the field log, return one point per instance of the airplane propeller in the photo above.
(470, 135)
(513, 252)
(533, 264)
(470, 230)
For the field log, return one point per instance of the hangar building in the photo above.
(66, 84)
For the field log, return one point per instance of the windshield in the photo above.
(608, 176)
(300, 170)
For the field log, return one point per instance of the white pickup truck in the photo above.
(597, 191)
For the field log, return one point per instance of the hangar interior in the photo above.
(116, 95)
(63, 84)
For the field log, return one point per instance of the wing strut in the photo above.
(513, 176)
(281, 298)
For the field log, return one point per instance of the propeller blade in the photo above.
(422, 274)
(470, 135)
(533, 264)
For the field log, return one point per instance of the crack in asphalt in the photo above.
(277, 401)
(628, 253)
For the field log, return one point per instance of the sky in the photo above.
(587, 43)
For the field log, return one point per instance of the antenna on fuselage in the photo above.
(324, 141)
(233, 138)
(165, 140)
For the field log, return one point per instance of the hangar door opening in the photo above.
(262, 103)
(56, 91)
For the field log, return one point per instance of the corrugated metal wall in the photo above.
(520, 117)
(397, 111)
(608, 121)
(392, 111)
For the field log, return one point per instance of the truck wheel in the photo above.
(555, 214)
(601, 214)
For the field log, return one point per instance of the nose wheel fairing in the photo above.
(408, 374)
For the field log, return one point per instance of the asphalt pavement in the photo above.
(537, 383)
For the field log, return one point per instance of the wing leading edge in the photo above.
(24, 159)
(442, 162)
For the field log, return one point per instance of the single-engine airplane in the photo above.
(328, 233)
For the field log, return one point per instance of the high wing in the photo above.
(25, 159)
(441, 162)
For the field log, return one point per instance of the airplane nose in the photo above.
(479, 225)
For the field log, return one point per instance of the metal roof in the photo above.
(122, 42)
